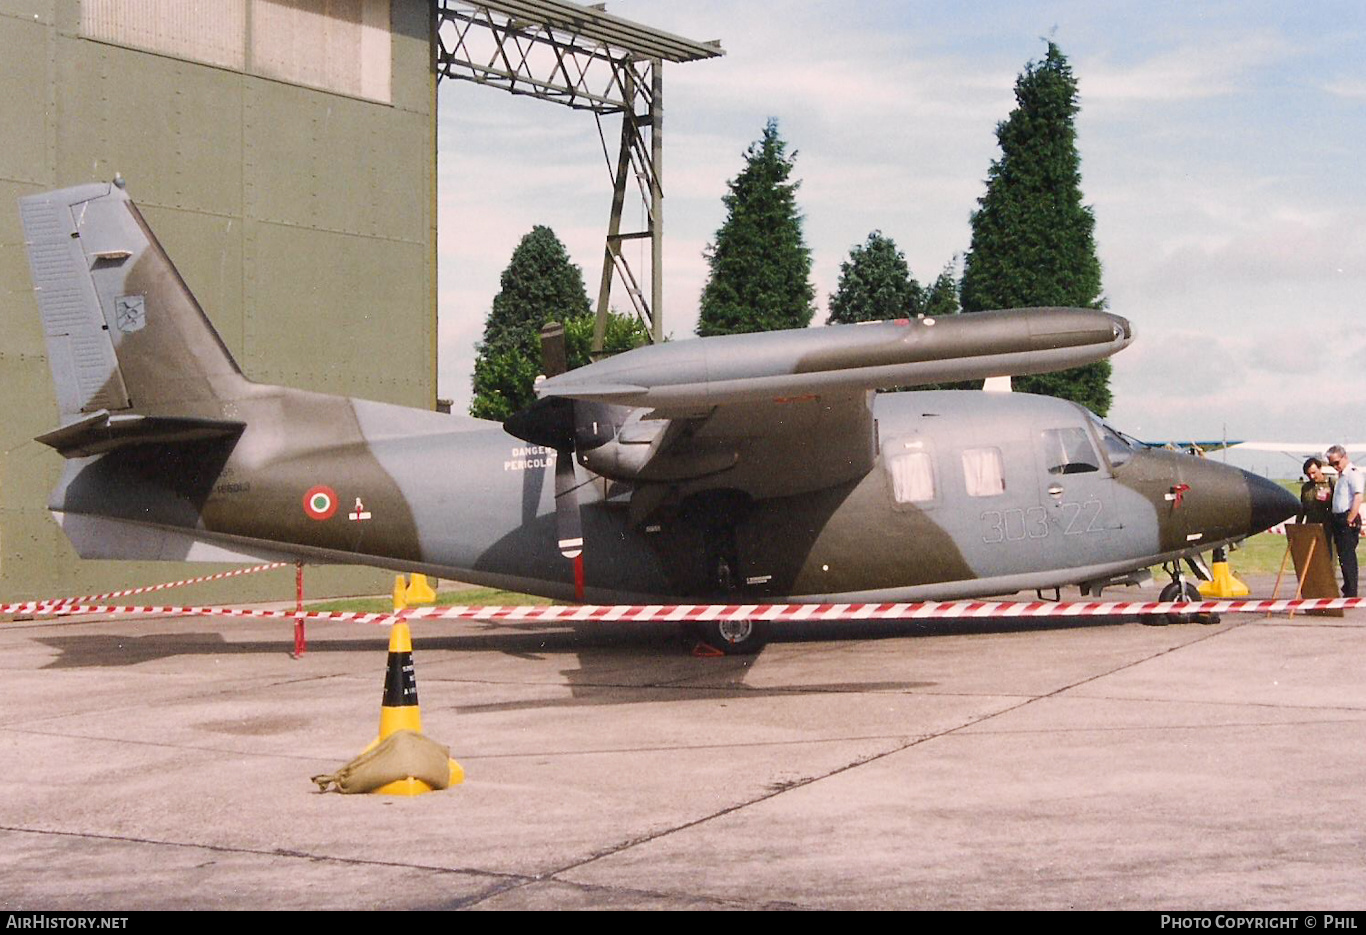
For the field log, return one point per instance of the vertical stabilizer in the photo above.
(123, 331)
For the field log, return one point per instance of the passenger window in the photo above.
(1069, 451)
(912, 476)
(983, 472)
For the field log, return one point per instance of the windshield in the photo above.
(1119, 447)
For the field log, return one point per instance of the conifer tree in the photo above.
(760, 265)
(875, 284)
(1033, 240)
(539, 285)
(941, 298)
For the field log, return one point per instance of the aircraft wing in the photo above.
(688, 379)
(790, 411)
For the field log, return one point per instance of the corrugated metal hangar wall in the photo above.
(285, 153)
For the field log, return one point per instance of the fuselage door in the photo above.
(1076, 490)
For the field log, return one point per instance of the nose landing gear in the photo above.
(1182, 590)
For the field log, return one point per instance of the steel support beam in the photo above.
(582, 58)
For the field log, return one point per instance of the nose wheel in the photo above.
(1182, 590)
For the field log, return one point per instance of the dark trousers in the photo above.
(1345, 540)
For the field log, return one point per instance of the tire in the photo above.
(1173, 592)
(733, 637)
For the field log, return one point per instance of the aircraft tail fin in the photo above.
(123, 331)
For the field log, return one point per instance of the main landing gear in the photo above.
(732, 637)
(724, 578)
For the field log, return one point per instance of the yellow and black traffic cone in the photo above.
(399, 709)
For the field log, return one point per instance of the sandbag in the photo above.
(404, 754)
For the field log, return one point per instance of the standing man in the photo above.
(1347, 516)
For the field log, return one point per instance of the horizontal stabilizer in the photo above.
(102, 431)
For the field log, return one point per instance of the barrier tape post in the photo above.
(300, 638)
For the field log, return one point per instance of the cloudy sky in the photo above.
(1221, 146)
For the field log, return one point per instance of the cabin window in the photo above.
(912, 476)
(983, 472)
(1069, 451)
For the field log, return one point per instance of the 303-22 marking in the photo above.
(1074, 518)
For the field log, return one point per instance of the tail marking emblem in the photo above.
(130, 312)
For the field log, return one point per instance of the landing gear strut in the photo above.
(722, 555)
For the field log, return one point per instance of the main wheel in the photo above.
(733, 637)
(1185, 591)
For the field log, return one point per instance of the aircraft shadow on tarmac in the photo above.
(597, 648)
(608, 661)
(602, 666)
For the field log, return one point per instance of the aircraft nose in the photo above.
(1271, 503)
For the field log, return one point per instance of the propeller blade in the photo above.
(554, 357)
(551, 421)
(568, 524)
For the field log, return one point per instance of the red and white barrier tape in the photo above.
(686, 613)
(94, 598)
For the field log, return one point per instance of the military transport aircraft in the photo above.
(749, 469)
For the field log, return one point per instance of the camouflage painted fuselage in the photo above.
(461, 498)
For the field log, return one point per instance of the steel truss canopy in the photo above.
(552, 49)
(587, 59)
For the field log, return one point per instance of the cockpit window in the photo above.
(1069, 451)
(1119, 448)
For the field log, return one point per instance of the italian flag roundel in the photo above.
(320, 502)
